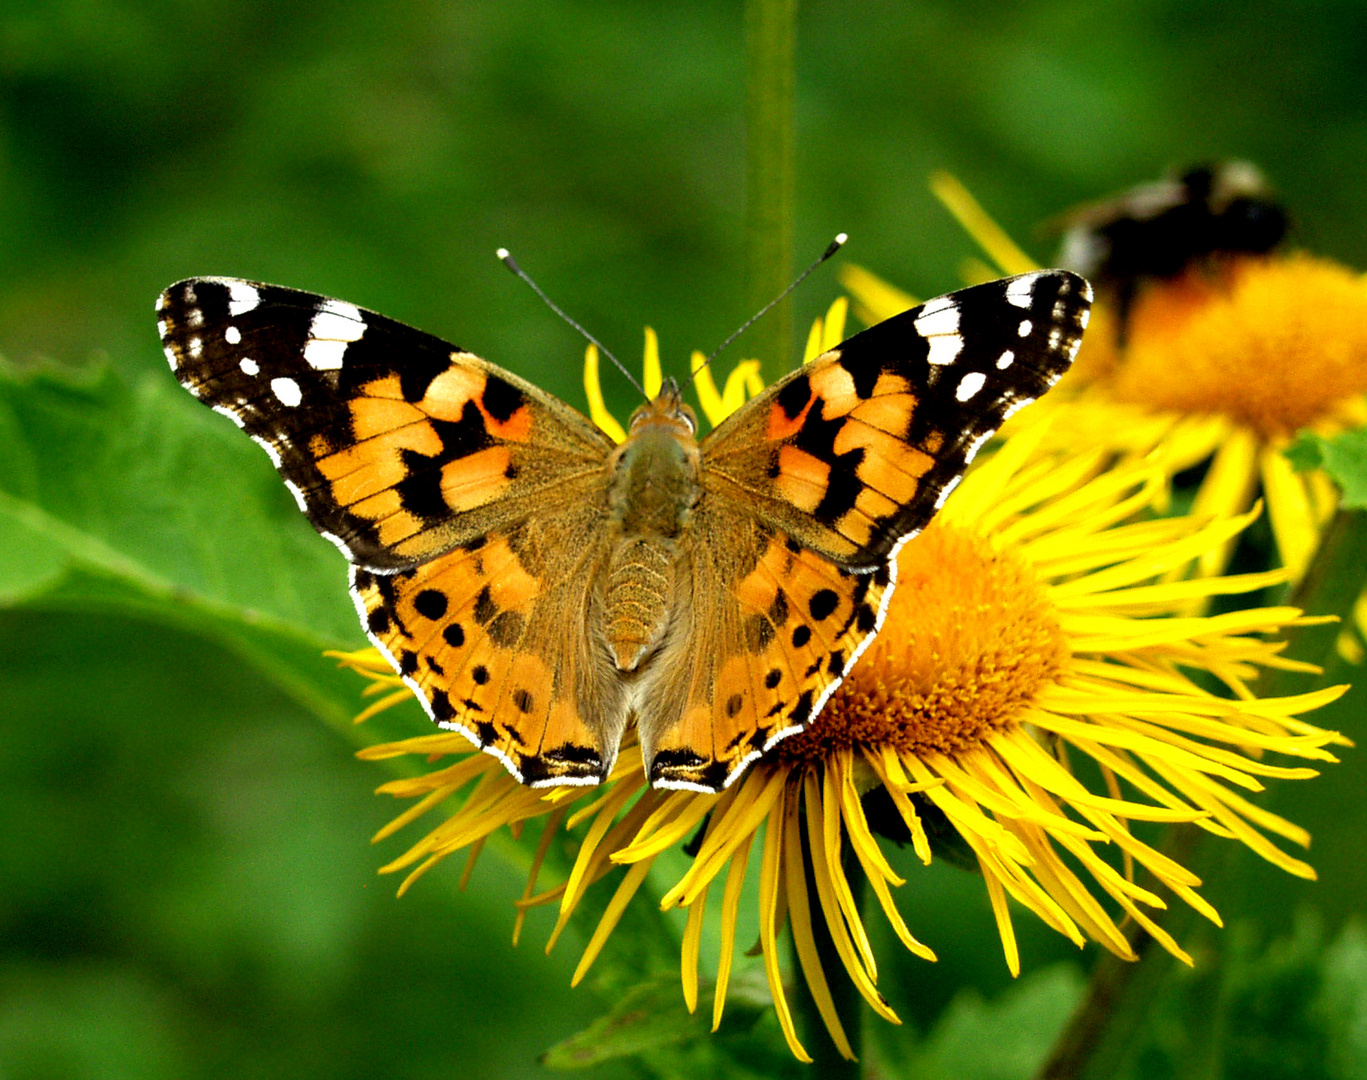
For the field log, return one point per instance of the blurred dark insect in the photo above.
(1163, 228)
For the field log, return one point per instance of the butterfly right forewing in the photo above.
(856, 451)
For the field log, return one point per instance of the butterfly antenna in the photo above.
(508, 261)
(834, 246)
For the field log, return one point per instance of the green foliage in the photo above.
(1343, 457)
(648, 1022)
(1288, 1009)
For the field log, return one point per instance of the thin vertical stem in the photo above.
(769, 174)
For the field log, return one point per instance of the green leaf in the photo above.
(1003, 1039)
(131, 496)
(649, 1016)
(1343, 457)
(141, 482)
(649, 1024)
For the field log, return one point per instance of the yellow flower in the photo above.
(1032, 627)
(1220, 370)
(742, 384)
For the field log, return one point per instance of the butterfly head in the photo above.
(668, 410)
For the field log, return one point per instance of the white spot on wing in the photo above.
(242, 298)
(194, 347)
(1025, 327)
(944, 350)
(324, 355)
(939, 317)
(287, 390)
(232, 335)
(970, 384)
(1020, 290)
(1005, 360)
(249, 366)
(335, 324)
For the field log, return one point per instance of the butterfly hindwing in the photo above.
(855, 452)
(758, 659)
(492, 639)
(396, 444)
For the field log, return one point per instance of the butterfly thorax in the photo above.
(651, 499)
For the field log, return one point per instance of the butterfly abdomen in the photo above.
(654, 489)
(640, 584)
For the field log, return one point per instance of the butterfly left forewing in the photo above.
(808, 492)
(396, 444)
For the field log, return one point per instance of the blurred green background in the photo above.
(185, 884)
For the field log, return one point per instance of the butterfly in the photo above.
(540, 587)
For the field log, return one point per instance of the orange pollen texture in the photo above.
(1277, 344)
(970, 639)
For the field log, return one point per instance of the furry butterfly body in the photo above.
(541, 588)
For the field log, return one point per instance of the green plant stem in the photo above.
(1098, 1037)
(769, 174)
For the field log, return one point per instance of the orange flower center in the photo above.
(969, 640)
(1278, 344)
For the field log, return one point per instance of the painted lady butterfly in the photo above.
(539, 587)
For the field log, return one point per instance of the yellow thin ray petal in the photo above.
(833, 327)
(692, 945)
(653, 377)
(616, 906)
(755, 798)
(730, 908)
(812, 349)
(800, 921)
(593, 390)
(828, 876)
(1174, 592)
(770, 874)
(1289, 511)
(1003, 917)
(833, 781)
(974, 220)
(548, 833)
(874, 298)
(708, 397)
(741, 385)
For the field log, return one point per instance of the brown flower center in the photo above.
(969, 640)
